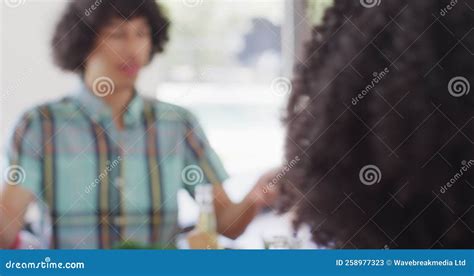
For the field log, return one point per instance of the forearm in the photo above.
(236, 217)
(9, 228)
(13, 204)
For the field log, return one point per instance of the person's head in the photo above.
(381, 120)
(109, 38)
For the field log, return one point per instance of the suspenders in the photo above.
(154, 171)
(103, 215)
(48, 164)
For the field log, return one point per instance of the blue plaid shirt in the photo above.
(104, 186)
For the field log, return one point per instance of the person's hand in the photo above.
(265, 191)
(14, 201)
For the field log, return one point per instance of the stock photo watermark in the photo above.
(15, 85)
(47, 263)
(281, 86)
(109, 167)
(378, 77)
(14, 175)
(92, 8)
(14, 3)
(459, 86)
(103, 86)
(370, 3)
(465, 167)
(192, 3)
(370, 175)
(444, 11)
(285, 169)
(192, 175)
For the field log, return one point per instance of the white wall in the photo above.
(28, 75)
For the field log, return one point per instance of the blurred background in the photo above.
(230, 62)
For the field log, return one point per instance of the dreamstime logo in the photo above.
(448, 8)
(14, 3)
(459, 86)
(92, 8)
(192, 175)
(377, 78)
(281, 86)
(107, 170)
(192, 3)
(14, 175)
(370, 3)
(47, 263)
(465, 166)
(103, 86)
(284, 170)
(16, 84)
(369, 175)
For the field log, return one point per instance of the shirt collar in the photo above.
(98, 110)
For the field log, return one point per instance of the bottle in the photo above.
(204, 236)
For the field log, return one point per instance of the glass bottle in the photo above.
(204, 236)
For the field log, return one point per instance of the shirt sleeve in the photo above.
(202, 164)
(23, 155)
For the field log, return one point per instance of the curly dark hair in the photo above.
(75, 33)
(381, 119)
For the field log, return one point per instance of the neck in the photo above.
(119, 99)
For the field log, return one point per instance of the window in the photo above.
(225, 63)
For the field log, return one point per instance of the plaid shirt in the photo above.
(104, 186)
